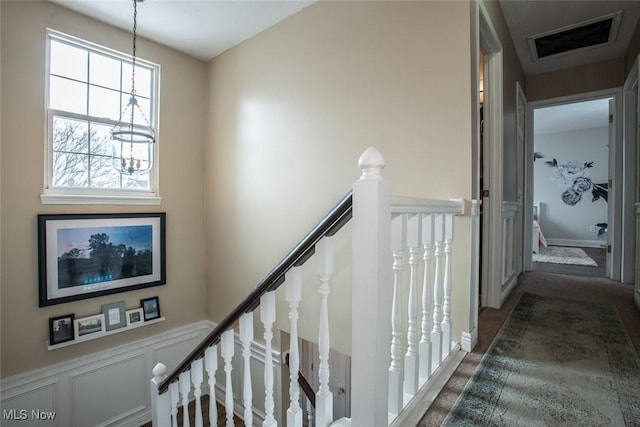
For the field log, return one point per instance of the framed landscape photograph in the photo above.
(90, 255)
(134, 316)
(114, 315)
(89, 326)
(61, 329)
(150, 308)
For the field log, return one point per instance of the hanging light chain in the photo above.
(135, 27)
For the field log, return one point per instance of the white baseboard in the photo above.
(469, 340)
(424, 398)
(577, 243)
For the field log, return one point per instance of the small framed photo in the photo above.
(134, 316)
(114, 315)
(89, 326)
(61, 329)
(150, 308)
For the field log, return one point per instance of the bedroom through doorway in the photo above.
(571, 187)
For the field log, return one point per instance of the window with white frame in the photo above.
(88, 88)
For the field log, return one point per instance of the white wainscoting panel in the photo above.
(510, 260)
(19, 402)
(110, 388)
(126, 374)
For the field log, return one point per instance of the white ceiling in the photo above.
(568, 117)
(200, 28)
(206, 28)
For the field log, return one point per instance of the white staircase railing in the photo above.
(398, 343)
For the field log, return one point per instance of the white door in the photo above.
(523, 229)
(339, 376)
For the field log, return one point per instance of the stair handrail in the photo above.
(329, 225)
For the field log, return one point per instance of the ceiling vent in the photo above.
(596, 32)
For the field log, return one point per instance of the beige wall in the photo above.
(182, 115)
(576, 80)
(512, 73)
(633, 50)
(291, 110)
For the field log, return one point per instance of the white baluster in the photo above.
(411, 358)
(174, 391)
(268, 316)
(324, 397)
(436, 333)
(425, 338)
(160, 403)
(398, 239)
(197, 378)
(246, 336)
(446, 307)
(185, 389)
(371, 293)
(227, 348)
(211, 365)
(309, 414)
(293, 297)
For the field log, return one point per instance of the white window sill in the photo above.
(98, 199)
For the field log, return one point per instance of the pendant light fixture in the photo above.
(133, 136)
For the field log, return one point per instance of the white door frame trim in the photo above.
(490, 44)
(615, 196)
(631, 112)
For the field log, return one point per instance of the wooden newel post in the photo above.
(160, 404)
(371, 294)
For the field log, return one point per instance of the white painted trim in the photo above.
(523, 237)
(615, 196)
(631, 112)
(469, 340)
(23, 391)
(414, 205)
(424, 398)
(470, 337)
(577, 243)
(507, 288)
(73, 199)
(56, 382)
(493, 81)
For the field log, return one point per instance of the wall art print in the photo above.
(574, 178)
(90, 255)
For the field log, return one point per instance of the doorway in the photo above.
(573, 156)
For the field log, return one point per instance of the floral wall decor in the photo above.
(574, 178)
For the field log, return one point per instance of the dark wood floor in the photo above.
(205, 409)
(599, 255)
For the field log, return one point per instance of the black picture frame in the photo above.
(150, 308)
(61, 329)
(84, 256)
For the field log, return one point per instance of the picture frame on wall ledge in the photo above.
(134, 316)
(150, 308)
(90, 326)
(84, 256)
(61, 329)
(114, 315)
